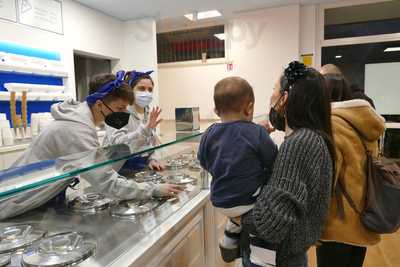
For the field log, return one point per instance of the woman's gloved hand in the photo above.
(169, 190)
(154, 165)
(154, 119)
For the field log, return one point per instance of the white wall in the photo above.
(271, 42)
(93, 33)
(190, 86)
(259, 43)
(139, 51)
(308, 20)
(84, 30)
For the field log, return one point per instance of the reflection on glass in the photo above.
(34, 177)
(191, 44)
(371, 68)
(39, 174)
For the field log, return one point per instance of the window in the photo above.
(374, 67)
(362, 20)
(191, 44)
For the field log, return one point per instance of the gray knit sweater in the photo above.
(292, 207)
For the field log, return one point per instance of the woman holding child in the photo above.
(292, 207)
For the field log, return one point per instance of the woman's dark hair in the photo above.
(308, 103)
(124, 92)
(141, 77)
(338, 88)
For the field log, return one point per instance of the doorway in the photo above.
(87, 67)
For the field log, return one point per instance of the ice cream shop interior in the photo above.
(188, 133)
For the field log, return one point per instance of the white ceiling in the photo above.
(162, 9)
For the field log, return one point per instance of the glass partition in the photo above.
(370, 68)
(117, 225)
(39, 174)
(120, 227)
(28, 177)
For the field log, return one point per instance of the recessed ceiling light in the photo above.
(392, 49)
(338, 56)
(220, 36)
(208, 14)
(203, 15)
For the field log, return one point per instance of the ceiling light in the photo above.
(338, 56)
(220, 36)
(208, 14)
(203, 15)
(392, 49)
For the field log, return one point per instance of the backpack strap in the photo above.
(341, 190)
(340, 186)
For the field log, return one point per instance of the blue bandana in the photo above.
(135, 75)
(106, 88)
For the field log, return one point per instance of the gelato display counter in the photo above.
(92, 228)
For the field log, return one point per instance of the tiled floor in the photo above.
(385, 254)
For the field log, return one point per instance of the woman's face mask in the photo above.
(276, 118)
(143, 98)
(116, 120)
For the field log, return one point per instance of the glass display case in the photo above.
(91, 227)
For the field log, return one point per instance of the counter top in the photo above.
(120, 242)
(22, 145)
(139, 249)
(15, 147)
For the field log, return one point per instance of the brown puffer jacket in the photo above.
(350, 167)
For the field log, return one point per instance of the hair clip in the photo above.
(295, 71)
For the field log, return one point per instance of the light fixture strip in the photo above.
(392, 49)
(203, 15)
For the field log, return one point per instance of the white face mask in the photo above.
(143, 99)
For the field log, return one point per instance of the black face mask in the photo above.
(116, 120)
(277, 119)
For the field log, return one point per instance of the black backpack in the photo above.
(381, 213)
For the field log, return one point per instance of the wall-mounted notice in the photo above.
(43, 14)
(382, 85)
(308, 60)
(8, 10)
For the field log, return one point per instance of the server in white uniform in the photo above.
(74, 130)
(140, 132)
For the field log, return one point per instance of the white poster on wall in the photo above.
(382, 85)
(8, 10)
(43, 14)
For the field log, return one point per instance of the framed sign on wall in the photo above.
(42, 14)
(8, 10)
